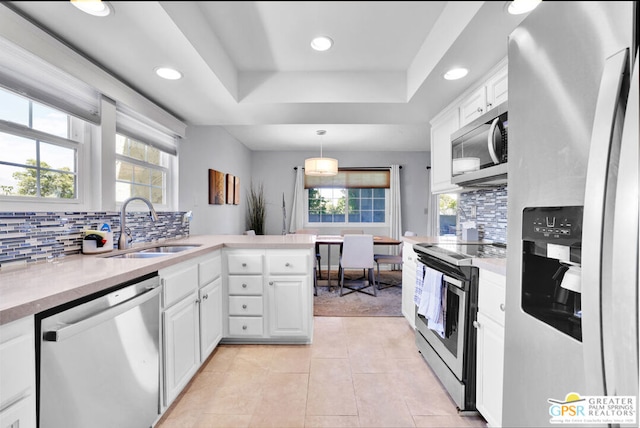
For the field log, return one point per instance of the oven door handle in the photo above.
(453, 281)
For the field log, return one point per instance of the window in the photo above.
(353, 196)
(448, 209)
(141, 170)
(38, 158)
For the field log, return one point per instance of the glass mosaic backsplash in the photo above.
(490, 212)
(40, 236)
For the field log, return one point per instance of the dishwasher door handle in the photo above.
(65, 332)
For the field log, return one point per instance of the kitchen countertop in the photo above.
(498, 266)
(31, 288)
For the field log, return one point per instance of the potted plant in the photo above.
(256, 209)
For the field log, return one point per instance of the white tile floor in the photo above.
(359, 372)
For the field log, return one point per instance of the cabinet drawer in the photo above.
(491, 296)
(178, 284)
(16, 368)
(245, 285)
(283, 264)
(209, 269)
(245, 305)
(244, 263)
(245, 326)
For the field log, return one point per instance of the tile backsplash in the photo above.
(490, 207)
(38, 236)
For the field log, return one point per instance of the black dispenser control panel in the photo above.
(552, 224)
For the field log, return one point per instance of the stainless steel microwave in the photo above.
(479, 150)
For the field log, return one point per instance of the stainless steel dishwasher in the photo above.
(99, 361)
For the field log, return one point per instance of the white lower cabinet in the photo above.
(288, 306)
(409, 259)
(490, 346)
(181, 345)
(269, 295)
(210, 297)
(17, 374)
(191, 319)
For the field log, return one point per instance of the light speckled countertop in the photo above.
(498, 266)
(34, 287)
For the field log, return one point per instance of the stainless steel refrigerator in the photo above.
(571, 327)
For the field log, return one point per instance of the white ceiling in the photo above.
(248, 65)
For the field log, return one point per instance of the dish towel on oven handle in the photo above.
(417, 294)
(432, 302)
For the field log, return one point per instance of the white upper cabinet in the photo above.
(497, 88)
(475, 105)
(441, 130)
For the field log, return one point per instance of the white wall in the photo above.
(211, 147)
(275, 170)
(204, 148)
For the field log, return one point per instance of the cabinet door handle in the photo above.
(205, 297)
(476, 324)
(489, 105)
(479, 109)
(270, 282)
(502, 307)
(244, 285)
(244, 265)
(244, 327)
(244, 306)
(287, 264)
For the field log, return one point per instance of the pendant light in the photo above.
(321, 166)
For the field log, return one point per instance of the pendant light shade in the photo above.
(321, 166)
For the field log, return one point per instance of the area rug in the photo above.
(387, 303)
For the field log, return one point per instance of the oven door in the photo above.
(451, 347)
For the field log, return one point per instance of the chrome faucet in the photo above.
(123, 242)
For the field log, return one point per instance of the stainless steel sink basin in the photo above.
(137, 255)
(160, 250)
(168, 249)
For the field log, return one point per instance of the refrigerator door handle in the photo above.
(595, 221)
(620, 309)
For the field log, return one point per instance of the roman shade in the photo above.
(351, 178)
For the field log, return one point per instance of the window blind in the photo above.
(144, 130)
(351, 179)
(28, 75)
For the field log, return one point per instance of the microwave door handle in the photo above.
(492, 151)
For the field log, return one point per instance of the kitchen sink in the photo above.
(168, 249)
(147, 253)
(137, 255)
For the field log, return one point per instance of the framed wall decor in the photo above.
(216, 187)
(236, 191)
(230, 187)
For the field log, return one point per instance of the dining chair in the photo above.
(390, 259)
(318, 257)
(357, 253)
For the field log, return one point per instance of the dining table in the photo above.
(331, 240)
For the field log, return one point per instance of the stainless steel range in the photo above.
(450, 349)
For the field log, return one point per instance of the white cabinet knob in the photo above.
(244, 327)
(244, 265)
(244, 285)
(287, 264)
(270, 282)
(244, 306)
(479, 109)
(205, 297)
(476, 324)
(502, 307)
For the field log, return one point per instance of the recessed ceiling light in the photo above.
(518, 7)
(93, 7)
(456, 73)
(321, 43)
(168, 73)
